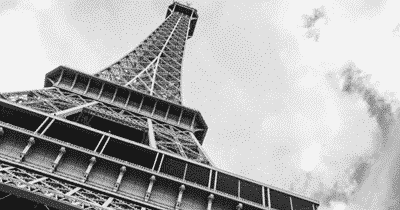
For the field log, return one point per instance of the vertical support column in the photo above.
(154, 109)
(127, 100)
(54, 165)
(291, 203)
(239, 188)
(73, 83)
(215, 180)
(47, 127)
(105, 144)
(1, 131)
(101, 91)
(141, 104)
(180, 116)
(119, 179)
(192, 123)
(115, 94)
(179, 200)
(166, 115)
(313, 207)
(155, 161)
(152, 138)
(263, 195)
(148, 192)
(209, 179)
(87, 87)
(269, 198)
(161, 162)
(89, 168)
(210, 200)
(31, 142)
(41, 125)
(98, 144)
(239, 206)
(185, 171)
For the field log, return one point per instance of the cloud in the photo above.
(349, 180)
(334, 194)
(42, 4)
(378, 107)
(311, 20)
(384, 163)
(371, 181)
(8, 4)
(361, 169)
(25, 60)
(354, 159)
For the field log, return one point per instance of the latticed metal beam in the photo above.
(56, 193)
(169, 138)
(49, 100)
(129, 99)
(154, 67)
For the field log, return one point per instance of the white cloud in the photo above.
(41, 4)
(310, 157)
(24, 63)
(344, 129)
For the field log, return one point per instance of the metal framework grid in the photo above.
(72, 197)
(39, 163)
(63, 103)
(154, 67)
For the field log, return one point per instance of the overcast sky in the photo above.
(269, 89)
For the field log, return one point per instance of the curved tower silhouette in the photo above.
(121, 138)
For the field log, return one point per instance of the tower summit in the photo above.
(121, 138)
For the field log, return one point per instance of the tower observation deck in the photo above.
(121, 138)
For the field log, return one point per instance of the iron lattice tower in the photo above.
(121, 138)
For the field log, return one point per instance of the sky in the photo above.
(270, 87)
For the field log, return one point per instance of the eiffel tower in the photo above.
(121, 139)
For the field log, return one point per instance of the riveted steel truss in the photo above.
(154, 67)
(118, 115)
(172, 139)
(67, 153)
(167, 137)
(64, 103)
(73, 196)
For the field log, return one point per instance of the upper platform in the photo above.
(120, 96)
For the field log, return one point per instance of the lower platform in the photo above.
(51, 193)
(63, 164)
